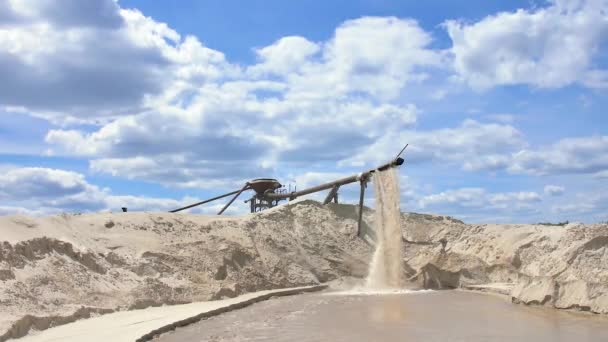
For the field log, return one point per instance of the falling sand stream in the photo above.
(386, 269)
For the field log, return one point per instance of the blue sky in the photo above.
(155, 104)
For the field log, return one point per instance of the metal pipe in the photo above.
(233, 198)
(205, 201)
(325, 186)
(329, 185)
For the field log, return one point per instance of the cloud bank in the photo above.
(138, 100)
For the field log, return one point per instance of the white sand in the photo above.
(128, 326)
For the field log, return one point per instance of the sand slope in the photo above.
(58, 269)
(561, 266)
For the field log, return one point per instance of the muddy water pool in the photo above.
(417, 316)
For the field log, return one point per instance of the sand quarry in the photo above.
(55, 270)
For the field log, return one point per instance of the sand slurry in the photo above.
(416, 316)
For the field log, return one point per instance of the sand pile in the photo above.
(57, 269)
(561, 266)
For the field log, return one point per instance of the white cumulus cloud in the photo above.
(471, 145)
(478, 204)
(303, 102)
(568, 155)
(554, 190)
(547, 47)
(75, 61)
(42, 191)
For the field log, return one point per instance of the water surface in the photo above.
(422, 316)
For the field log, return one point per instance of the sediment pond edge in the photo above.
(207, 314)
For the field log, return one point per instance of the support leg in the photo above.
(233, 198)
(333, 193)
(361, 198)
